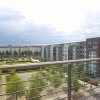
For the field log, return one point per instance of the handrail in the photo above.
(23, 66)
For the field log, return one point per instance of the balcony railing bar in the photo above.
(42, 86)
(30, 80)
(46, 78)
(50, 93)
(45, 95)
(21, 66)
(34, 70)
(88, 77)
(33, 88)
(35, 96)
(47, 86)
(84, 77)
(86, 90)
(62, 98)
(90, 96)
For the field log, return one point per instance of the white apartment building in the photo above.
(5, 50)
(65, 51)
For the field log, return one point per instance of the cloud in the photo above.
(7, 14)
(16, 29)
(91, 28)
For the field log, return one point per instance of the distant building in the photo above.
(75, 50)
(65, 51)
(19, 50)
(93, 51)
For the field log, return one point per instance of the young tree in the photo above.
(56, 80)
(15, 53)
(15, 85)
(85, 76)
(56, 72)
(3, 54)
(35, 87)
(36, 53)
(75, 86)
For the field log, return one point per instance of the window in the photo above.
(94, 42)
(92, 54)
(89, 42)
(94, 47)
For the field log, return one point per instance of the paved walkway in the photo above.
(3, 88)
(93, 94)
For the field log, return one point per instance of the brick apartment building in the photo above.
(93, 51)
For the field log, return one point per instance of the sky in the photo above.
(35, 22)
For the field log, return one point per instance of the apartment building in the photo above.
(64, 51)
(19, 50)
(93, 51)
(76, 50)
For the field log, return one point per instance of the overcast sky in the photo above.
(29, 22)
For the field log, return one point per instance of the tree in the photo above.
(54, 76)
(29, 53)
(75, 84)
(56, 80)
(36, 53)
(22, 53)
(0, 54)
(17, 86)
(35, 87)
(10, 76)
(81, 66)
(56, 72)
(15, 53)
(3, 54)
(7, 53)
(85, 76)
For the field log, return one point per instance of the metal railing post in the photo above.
(69, 81)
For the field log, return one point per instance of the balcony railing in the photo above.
(59, 80)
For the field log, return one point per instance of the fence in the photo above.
(59, 80)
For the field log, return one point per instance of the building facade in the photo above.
(75, 50)
(19, 50)
(65, 51)
(93, 51)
